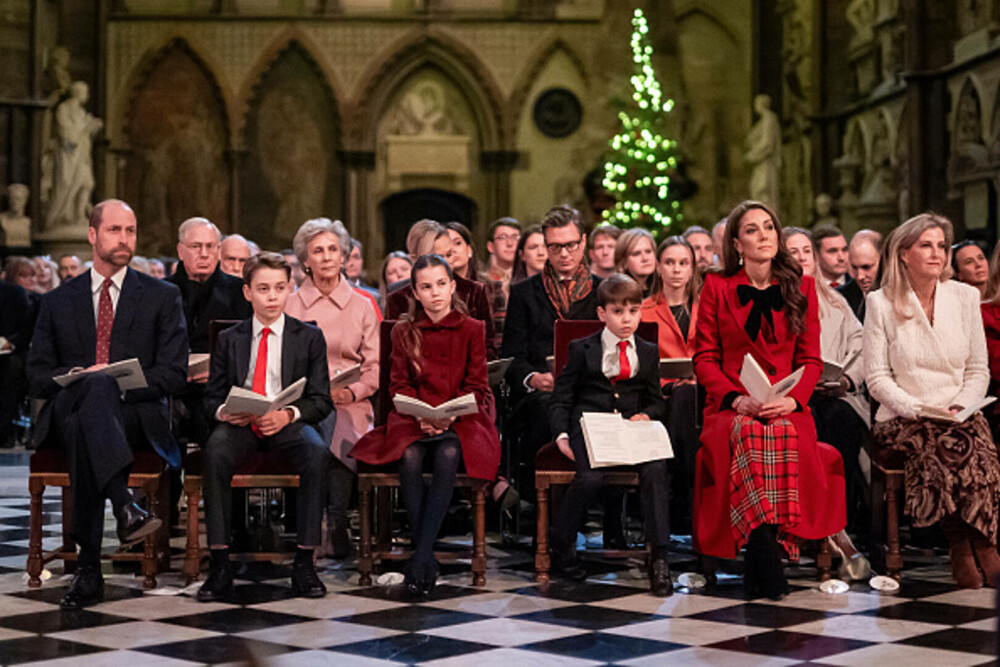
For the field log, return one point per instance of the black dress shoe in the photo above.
(567, 563)
(218, 586)
(660, 582)
(135, 523)
(87, 588)
(431, 572)
(305, 581)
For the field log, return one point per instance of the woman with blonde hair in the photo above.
(635, 256)
(925, 354)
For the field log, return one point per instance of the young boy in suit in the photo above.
(266, 354)
(610, 371)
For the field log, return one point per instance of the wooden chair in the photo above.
(263, 470)
(887, 484)
(552, 468)
(377, 481)
(48, 467)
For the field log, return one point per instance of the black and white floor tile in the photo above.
(611, 618)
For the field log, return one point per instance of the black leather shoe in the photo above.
(305, 581)
(218, 586)
(87, 588)
(135, 523)
(431, 572)
(660, 582)
(568, 564)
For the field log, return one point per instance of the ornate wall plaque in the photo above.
(557, 113)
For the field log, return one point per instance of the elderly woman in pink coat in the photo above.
(349, 323)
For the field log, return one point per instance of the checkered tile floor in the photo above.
(610, 619)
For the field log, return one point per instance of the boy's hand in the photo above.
(241, 419)
(200, 378)
(563, 445)
(274, 421)
(542, 381)
(639, 417)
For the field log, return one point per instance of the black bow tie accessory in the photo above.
(764, 301)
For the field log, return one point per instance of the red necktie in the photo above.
(260, 371)
(625, 371)
(833, 284)
(105, 320)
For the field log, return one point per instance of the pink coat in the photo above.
(350, 326)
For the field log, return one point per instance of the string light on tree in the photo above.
(641, 158)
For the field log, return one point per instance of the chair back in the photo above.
(567, 331)
(383, 401)
(215, 327)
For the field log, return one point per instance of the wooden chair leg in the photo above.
(894, 559)
(149, 544)
(192, 552)
(542, 563)
(365, 554)
(163, 535)
(877, 531)
(479, 538)
(36, 488)
(824, 560)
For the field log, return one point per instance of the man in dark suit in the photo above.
(610, 371)
(863, 263)
(16, 326)
(266, 354)
(564, 289)
(108, 314)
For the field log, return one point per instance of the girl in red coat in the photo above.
(761, 476)
(438, 353)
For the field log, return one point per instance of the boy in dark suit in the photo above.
(266, 354)
(610, 371)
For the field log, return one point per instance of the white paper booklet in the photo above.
(833, 371)
(244, 401)
(456, 407)
(755, 381)
(127, 373)
(944, 414)
(614, 441)
(681, 368)
(346, 376)
(198, 362)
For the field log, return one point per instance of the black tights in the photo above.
(427, 508)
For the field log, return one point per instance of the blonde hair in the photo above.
(895, 283)
(627, 242)
(421, 237)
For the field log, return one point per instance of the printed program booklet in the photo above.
(755, 381)
(614, 441)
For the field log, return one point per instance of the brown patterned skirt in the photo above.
(949, 468)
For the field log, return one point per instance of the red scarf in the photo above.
(564, 293)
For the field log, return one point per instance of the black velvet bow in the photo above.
(764, 301)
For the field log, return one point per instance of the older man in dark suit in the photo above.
(108, 314)
(266, 354)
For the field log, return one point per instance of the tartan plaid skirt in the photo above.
(764, 478)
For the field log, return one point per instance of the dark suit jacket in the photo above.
(472, 293)
(855, 297)
(303, 355)
(18, 316)
(530, 325)
(583, 387)
(218, 298)
(148, 325)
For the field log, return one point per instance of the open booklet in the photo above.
(681, 368)
(944, 414)
(345, 376)
(198, 363)
(833, 371)
(127, 373)
(755, 381)
(244, 401)
(456, 407)
(614, 441)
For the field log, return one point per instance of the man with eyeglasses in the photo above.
(206, 294)
(565, 289)
(503, 236)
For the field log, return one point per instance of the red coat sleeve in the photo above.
(708, 345)
(475, 379)
(807, 349)
(991, 323)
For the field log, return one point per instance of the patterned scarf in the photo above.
(563, 294)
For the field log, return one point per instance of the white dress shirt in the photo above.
(610, 364)
(97, 282)
(273, 377)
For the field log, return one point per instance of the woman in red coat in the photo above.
(438, 353)
(761, 477)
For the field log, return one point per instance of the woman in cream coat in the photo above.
(924, 349)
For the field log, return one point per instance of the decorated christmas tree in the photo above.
(641, 159)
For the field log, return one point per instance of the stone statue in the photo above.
(15, 226)
(423, 111)
(764, 153)
(824, 211)
(861, 15)
(57, 82)
(73, 176)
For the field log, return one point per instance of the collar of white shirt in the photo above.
(97, 280)
(277, 327)
(609, 341)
